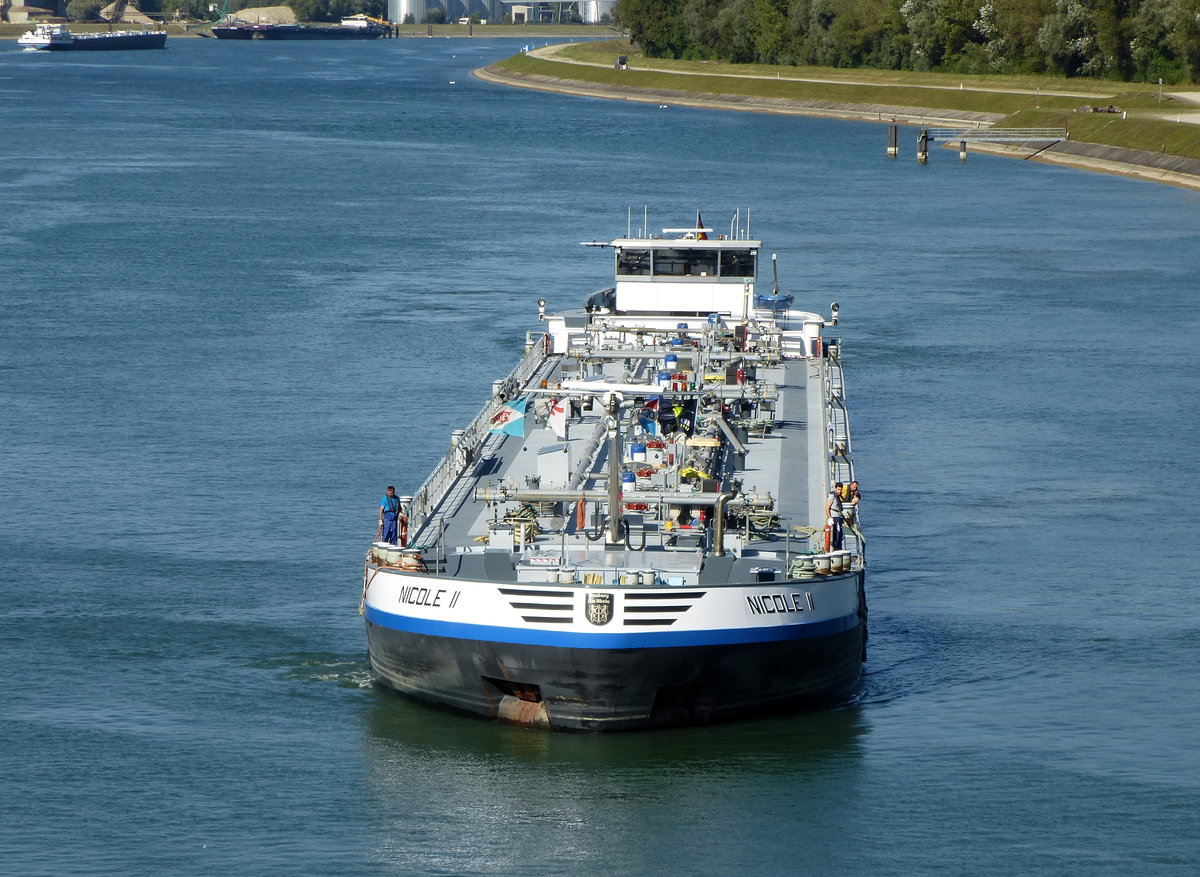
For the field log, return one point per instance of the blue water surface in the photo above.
(245, 285)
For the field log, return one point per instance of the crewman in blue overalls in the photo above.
(389, 515)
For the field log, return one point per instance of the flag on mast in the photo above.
(510, 419)
(557, 420)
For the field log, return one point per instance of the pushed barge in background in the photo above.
(353, 27)
(50, 37)
(632, 532)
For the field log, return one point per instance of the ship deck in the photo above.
(782, 460)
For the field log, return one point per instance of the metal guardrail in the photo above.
(998, 135)
(838, 448)
(429, 494)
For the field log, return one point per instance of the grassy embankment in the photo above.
(1017, 97)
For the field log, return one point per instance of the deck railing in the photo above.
(998, 135)
(430, 494)
(838, 448)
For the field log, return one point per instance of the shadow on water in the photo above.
(576, 797)
(397, 726)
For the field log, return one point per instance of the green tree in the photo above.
(1009, 29)
(702, 31)
(924, 31)
(84, 10)
(752, 31)
(196, 9)
(307, 10)
(1114, 38)
(656, 26)
(1085, 38)
(1183, 36)
(864, 34)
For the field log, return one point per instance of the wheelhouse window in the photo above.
(738, 263)
(685, 263)
(633, 261)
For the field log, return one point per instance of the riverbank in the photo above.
(11, 31)
(916, 99)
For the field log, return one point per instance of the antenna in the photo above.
(733, 226)
(646, 220)
(629, 221)
(747, 223)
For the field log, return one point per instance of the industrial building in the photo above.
(494, 11)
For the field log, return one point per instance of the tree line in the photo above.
(1131, 40)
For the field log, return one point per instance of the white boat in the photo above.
(632, 532)
(58, 38)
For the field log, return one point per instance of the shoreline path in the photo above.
(1142, 164)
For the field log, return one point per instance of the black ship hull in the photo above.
(616, 689)
(106, 42)
(302, 32)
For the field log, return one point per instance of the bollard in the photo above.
(893, 141)
(923, 146)
(962, 150)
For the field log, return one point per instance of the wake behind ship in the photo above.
(638, 529)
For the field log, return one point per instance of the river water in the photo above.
(244, 286)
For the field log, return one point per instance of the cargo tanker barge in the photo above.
(639, 528)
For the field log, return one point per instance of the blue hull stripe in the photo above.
(601, 640)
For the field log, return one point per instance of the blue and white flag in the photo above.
(510, 419)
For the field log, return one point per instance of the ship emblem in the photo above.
(599, 608)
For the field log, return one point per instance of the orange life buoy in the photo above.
(403, 531)
(581, 514)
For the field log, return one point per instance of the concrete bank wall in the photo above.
(1158, 167)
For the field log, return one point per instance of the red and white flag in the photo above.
(557, 420)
